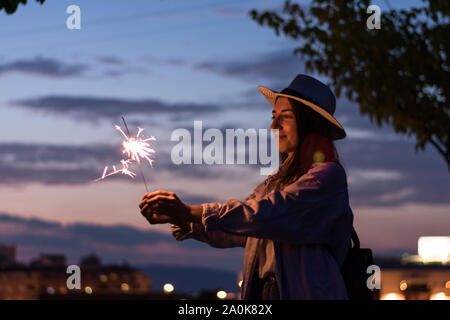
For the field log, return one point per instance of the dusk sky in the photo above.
(162, 65)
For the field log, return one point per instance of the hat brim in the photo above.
(337, 131)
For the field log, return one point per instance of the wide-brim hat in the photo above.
(313, 94)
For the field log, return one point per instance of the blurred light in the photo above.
(113, 276)
(403, 285)
(447, 285)
(168, 288)
(50, 290)
(240, 284)
(62, 290)
(439, 296)
(231, 295)
(103, 278)
(88, 290)
(434, 249)
(393, 296)
(125, 287)
(221, 294)
(318, 156)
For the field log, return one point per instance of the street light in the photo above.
(168, 288)
(221, 294)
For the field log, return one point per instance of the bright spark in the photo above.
(136, 149)
(124, 170)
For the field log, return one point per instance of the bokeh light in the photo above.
(168, 288)
(221, 294)
(439, 296)
(403, 285)
(393, 296)
(125, 287)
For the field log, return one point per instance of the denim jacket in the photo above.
(309, 221)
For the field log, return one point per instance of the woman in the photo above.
(296, 225)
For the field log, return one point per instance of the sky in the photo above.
(162, 65)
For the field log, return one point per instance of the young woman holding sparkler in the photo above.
(296, 225)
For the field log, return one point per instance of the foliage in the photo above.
(10, 6)
(398, 75)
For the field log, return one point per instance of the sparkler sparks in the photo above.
(136, 149)
(124, 170)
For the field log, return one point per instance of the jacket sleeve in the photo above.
(217, 238)
(313, 209)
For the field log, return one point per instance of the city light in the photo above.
(103, 278)
(231, 295)
(447, 285)
(240, 284)
(125, 287)
(393, 296)
(403, 285)
(221, 294)
(88, 290)
(168, 288)
(434, 249)
(439, 296)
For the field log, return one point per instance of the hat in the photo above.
(312, 93)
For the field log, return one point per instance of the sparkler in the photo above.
(136, 149)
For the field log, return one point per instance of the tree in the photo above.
(10, 6)
(398, 75)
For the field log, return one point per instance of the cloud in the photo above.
(390, 230)
(390, 172)
(95, 108)
(112, 243)
(48, 67)
(278, 66)
(110, 60)
(74, 165)
(176, 62)
(50, 164)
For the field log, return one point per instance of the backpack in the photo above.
(354, 270)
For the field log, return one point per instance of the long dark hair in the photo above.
(314, 145)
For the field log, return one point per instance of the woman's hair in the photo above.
(314, 145)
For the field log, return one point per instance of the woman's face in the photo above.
(283, 119)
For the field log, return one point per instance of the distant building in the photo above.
(49, 260)
(415, 282)
(7, 255)
(423, 276)
(46, 278)
(91, 261)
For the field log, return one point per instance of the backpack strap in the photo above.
(355, 239)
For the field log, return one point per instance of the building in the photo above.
(46, 278)
(49, 260)
(425, 276)
(7, 255)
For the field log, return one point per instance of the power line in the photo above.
(388, 4)
(145, 33)
(117, 19)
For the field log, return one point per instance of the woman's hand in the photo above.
(164, 207)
